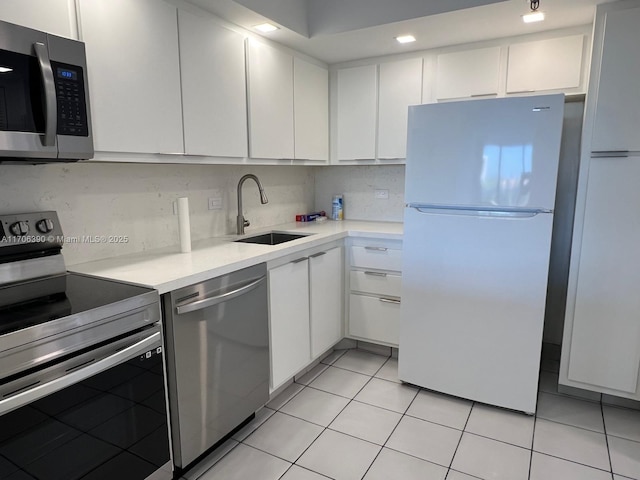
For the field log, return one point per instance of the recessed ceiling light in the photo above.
(5, 69)
(266, 27)
(406, 39)
(533, 17)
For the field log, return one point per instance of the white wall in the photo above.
(137, 200)
(357, 184)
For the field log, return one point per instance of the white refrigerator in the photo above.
(480, 192)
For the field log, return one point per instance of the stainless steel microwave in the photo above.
(44, 101)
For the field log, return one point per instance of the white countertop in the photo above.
(168, 269)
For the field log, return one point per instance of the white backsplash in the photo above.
(136, 200)
(357, 184)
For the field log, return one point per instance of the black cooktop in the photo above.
(38, 301)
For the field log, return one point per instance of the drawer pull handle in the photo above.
(300, 260)
(390, 300)
(377, 249)
(317, 255)
(376, 274)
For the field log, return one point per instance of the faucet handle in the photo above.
(246, 223)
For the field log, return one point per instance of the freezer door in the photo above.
(473, 299)
(496, 152)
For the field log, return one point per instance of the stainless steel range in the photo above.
(82, 384)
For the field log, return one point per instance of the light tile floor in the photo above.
(350, 418)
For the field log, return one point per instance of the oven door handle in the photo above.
(25, 397)
(225, 297)
(50, 100)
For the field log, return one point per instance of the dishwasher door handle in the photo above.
(225, 297)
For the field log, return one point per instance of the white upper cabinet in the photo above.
(618, 97)
(311, 110)
(214, 99)
(270, 102)
(357, 112)
(400, 86)
(52, 16)
(134, 76)
(469, 73)
(553, 64)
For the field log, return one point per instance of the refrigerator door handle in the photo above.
(480, 211)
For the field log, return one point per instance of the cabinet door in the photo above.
(618, 100)
(468, 74)
(552, 64)
(400, 86)
(270, 102)
(605, 338)
(214, 99)
(289, 320)
(52, 16)
(311, 110)
(357, 110)
(134, 75)
(326, 292)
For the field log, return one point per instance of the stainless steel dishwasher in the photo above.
(217, 348)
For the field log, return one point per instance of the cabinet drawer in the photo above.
(381, 258)
(375, 319)
(376, 283)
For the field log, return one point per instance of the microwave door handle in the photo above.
(50, 106)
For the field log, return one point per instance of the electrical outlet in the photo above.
(215, 203)
(381, 194)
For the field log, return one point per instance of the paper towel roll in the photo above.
(184, 225)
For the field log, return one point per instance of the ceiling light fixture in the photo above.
(266, 27)
(406, 39)
(534, 15)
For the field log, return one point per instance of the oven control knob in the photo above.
(44, 226)
(19, 228)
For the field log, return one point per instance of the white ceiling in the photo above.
(336, 31)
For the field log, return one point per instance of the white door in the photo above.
(214, 95)
(472, 312)
(500, 152)
(270, 101)
(311, 111)
(326, 293)
(400, 86)
(288, 320)
(618, 103)
(605, 339)
(51, 16)
(468, 73)
(357, 113)
(134, 75)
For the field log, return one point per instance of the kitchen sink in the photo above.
(272, 238)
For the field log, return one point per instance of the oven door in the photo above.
(92, 416)
(28, 110)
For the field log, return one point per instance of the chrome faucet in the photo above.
(240, 221)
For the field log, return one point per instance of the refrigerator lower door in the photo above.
(473, 299)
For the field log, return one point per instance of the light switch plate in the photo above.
(215, 203)
(381, 194)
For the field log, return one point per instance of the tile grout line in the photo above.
(533, 439)
(606, 439)
(325, 428)
(473, 404)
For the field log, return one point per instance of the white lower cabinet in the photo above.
(374, 290)
(305, 310)
(289, 319)
(325, 293)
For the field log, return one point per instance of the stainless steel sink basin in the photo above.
(272, 238)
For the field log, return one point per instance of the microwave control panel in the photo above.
(71, 99)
